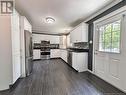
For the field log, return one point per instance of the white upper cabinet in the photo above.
(63, 41)
(79, 34)
(54, 39)
(68, 40)
(37, 38)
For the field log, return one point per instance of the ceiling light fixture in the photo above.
(50, 20)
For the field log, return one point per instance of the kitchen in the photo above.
(73, 50)
(62, 47)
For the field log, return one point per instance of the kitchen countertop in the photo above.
(36, 48)
(71, 50)
(60, 48)
(75, 50)
(78, 50)
(84, 50)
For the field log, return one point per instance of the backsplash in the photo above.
(40, 45)
(81, 45)
(54, 46)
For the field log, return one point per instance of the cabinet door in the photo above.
(63, 55)
(55, 40)
(36, 54)
(66, 54)
(68, 40)
(63, 41)
(79, 34)
(75, 35)
(55, 53)
(74, 61)
(85, 32)
(82, 61)
(37, 38)
(79, 61)
(72, 36)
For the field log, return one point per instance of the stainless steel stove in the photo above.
(45, 49)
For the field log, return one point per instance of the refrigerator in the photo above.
(28, 53)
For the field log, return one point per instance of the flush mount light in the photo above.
(50, 20)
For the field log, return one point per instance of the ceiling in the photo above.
(67, 13)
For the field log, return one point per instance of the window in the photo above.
(109, 37)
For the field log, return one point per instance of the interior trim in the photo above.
(102, 10)
(41, 32)
(108, 11)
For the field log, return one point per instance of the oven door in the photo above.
(45, 54)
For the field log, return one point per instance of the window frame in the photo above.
(106, 22)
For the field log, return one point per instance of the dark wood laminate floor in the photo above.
(54, 77)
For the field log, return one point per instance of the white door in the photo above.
(110, 50)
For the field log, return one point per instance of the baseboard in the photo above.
(12, 86)
(106, 81)
(63, 60)
(90, 71)
(55, 58)
(68, 65)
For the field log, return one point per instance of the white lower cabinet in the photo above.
(59, 53)
(63, 54)
(55, 53)
(79, 61)
(36, 54)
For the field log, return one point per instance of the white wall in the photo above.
(5, 52)
(9, 50)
